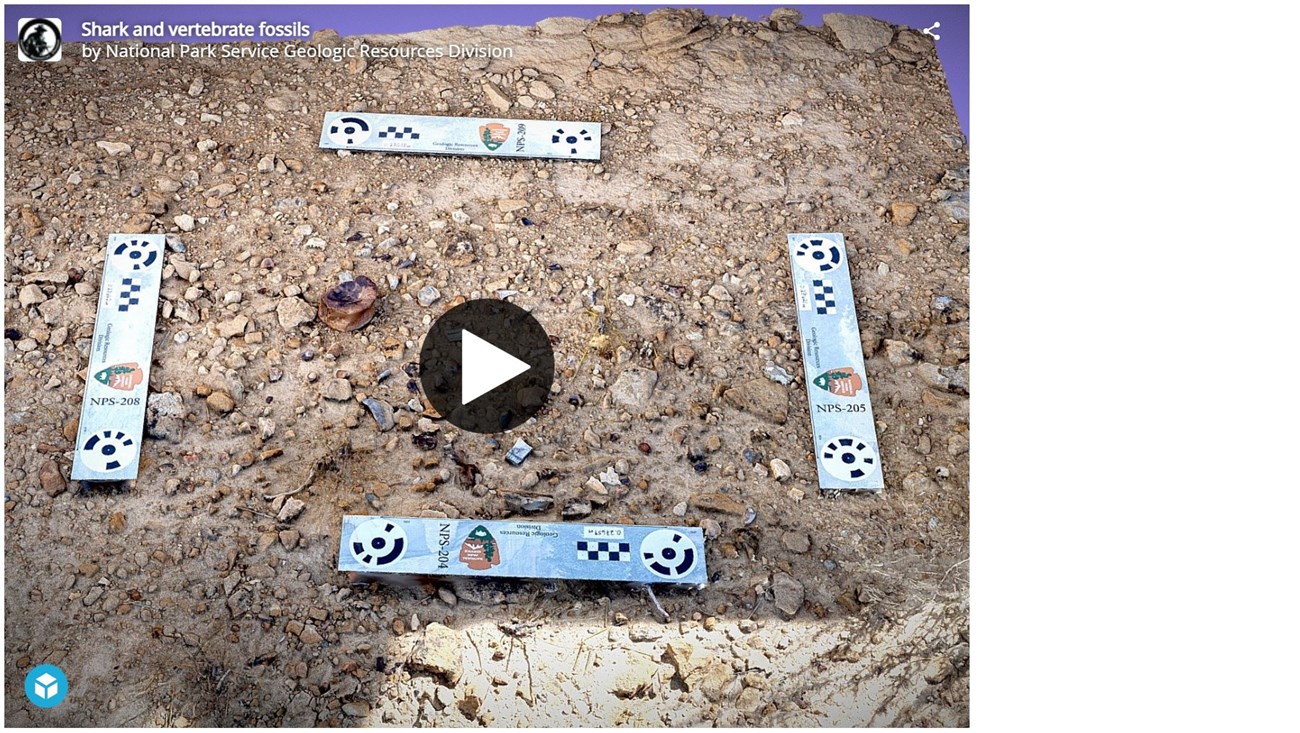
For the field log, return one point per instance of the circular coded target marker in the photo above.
(108, 451)
(668, 553)
(848, 458)
(377, 542)
(349, 131)
(569, 141)
(135, 254)
(818, 255)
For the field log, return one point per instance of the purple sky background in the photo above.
(953, 45)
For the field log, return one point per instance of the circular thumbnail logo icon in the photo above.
(40, 39)
(46, 686)
(487, 366)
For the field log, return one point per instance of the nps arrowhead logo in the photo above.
(493, 135)
(125, 377)
(842, 382)
(480, 550)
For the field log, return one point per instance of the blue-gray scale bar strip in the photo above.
(491, 137)
(117, 375)
(844, 430)
(507, 549)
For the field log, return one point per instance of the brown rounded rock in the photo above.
(51, 478)
(796, 542)
(903, 212)
(221, 402)
(349, 305)
(683, 355)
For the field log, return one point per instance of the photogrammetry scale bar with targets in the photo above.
(844, 429)
(117, 376)
(497, 138)
(504, 549)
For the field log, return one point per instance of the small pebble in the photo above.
(349, 305)
(780, 469)
(428, 295)
(777, 374)
(382, 413)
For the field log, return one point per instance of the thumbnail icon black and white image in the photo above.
(40, 39)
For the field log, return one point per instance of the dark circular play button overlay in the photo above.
(487, 366)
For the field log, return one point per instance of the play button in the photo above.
(486, 366)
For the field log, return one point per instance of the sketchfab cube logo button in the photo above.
(40, 39)
(46, 686)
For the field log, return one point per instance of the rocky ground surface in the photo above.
(196, 595)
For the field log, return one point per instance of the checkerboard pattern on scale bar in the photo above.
(393, 132)
(823, 297)
(129, 296)
(604, 551)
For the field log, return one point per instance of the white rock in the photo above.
(291, 509)
(233, 327)
(428, 295)
(495, 96)
(113, 148)
(635, 247)
(30, 295)
(184, 222)
(633, 387)
(780, 469)
(293, 312)
(541, 90)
